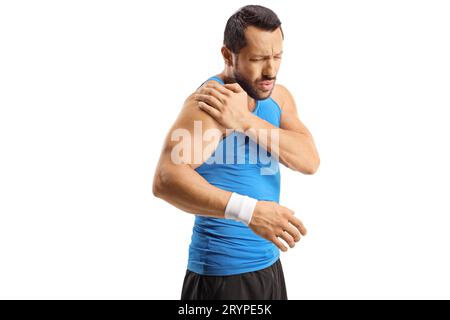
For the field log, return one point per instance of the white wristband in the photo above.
(240, 208)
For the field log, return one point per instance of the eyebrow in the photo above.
(265, 56)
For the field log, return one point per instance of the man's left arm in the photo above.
(292, 143)
(296, 148)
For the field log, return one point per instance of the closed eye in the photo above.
(277, 58)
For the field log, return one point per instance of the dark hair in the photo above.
(251, 15)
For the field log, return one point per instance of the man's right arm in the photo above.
(180, 185)
(175, 180)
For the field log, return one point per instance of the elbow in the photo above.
(160, 182)
(311, 170)
(157, 187)
(305, 167)
(166, 180)
(312, 167)
(315, 166)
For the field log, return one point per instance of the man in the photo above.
(239, 224)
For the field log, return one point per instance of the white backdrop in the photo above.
(88, 90)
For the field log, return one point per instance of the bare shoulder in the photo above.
(190, 113)
(210, 81)
(187, 133)
(283, 97)
(280, 94)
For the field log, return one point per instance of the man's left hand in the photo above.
(227, 104)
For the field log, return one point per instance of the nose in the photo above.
(269, 69)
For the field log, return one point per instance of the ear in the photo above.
(227, 56)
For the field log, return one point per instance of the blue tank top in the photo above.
(226, 247)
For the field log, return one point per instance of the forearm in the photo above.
(295, 150)
(184, 188)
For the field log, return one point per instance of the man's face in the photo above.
(256, 66)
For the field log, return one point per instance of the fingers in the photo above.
(287, 238)
(208, 99)
(235, 87)
(217, 86)
(214, 92)
(279, 244)
(294, 232)
(213, 112)
(277, 224)
(298, 224)
(295, 221)
(221, 88)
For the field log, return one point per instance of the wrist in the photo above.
(240, 208)
(247, 123)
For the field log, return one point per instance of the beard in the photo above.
(251, 90)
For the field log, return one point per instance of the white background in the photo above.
(88, 90)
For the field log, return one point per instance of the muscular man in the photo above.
(239, 225)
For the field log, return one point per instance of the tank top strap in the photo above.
(212, 78)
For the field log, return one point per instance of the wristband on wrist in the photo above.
(240, 208)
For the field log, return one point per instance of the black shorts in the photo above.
(265, 284)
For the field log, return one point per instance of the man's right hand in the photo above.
(272, 221)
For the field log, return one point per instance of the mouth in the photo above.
(265, 85)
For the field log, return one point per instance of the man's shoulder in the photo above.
(209, 80)
(279, 94)
(190, 113)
